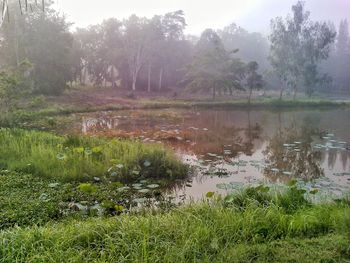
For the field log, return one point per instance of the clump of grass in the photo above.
(206, 232)
(238, 103)
(255, 224)
(79, 158)
(290, 200)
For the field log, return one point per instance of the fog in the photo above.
(174, 131)
(254, 15)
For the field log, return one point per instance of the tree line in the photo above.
(154, 54)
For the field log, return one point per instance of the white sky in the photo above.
(254, 15)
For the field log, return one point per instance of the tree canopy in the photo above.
(297, 46)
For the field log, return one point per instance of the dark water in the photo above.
(230, 148)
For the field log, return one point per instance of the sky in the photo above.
(253, 15)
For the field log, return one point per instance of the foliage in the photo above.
(44, 39)
(27, 200)
(82, 158)
(31, 200)
(253, 79)
(291, 200)
(298, 45)
(213, 68)
(337, 64)
(251, 46)
(13, 86)
(128, 51)
(216, 234)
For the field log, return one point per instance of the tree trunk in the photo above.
(214, 91)
(281, 93)
(134, 79)
(133, 84)
(295, 92)
(149, 77)
(84, 76)
(160, 79)
(16, 45)
(112, 76)
(5, 11)
(250, 95)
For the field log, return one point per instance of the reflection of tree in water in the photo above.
(252, 132)
(332, 158)
(98, 124)
(299, 159)
(345, 155)
(225, 132)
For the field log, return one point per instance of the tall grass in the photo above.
(234, 103)
(82, 158)
(206, 232)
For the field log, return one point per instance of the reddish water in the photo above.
(241, 147)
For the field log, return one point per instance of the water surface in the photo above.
(231, 148)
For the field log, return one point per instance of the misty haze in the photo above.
(174, 131)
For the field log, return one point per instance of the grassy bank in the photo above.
(17, 118)
(239, 104)
(212, 231)
(79, 158)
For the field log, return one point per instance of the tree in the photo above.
(173, 24)
(252, 46)
(154, 42)
(342, 57)
(298, 44)
(212, 67)
(135, 46)
(29, 6)
(111, 48)
(44, 39)
(254, 80)
(139, 53)
(342, 45)
(14, 84)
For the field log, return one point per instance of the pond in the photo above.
(232, 148)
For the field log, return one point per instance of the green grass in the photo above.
(259, 103)
(27, 200)
(206, 232)
(79, 158)
(18, 117)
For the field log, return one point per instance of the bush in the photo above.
(79, 158)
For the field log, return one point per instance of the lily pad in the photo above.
(209, 194)
(153, 186)
(147, 163)
(88, 151)
(144, 191)
(223, 186)
(60, 156)
(53, 185)
(44, 197)
(140, 200)
(124, 188)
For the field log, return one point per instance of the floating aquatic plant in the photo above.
(87, 188)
